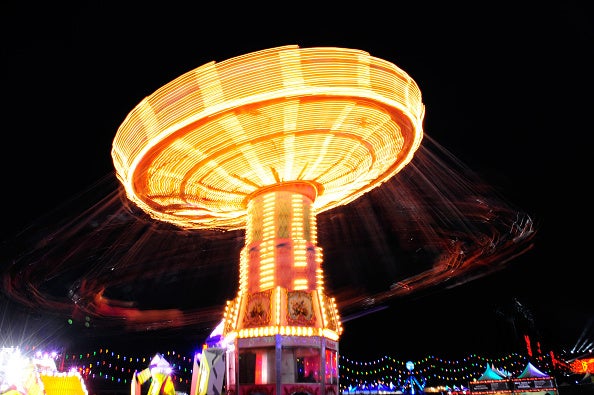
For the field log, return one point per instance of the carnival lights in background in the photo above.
(105, 366)
(437, 372)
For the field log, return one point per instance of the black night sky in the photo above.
(507, 90)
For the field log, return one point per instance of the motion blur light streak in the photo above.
(423, 232)
(435, 224)
(197, 150)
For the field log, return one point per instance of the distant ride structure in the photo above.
(265, 142)
(413, 384)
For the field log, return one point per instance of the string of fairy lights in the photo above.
(435, 371)
(108, 367)
(105, 366)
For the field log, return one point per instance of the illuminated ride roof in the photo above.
(196, 150)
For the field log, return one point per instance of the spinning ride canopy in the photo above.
(332, 123)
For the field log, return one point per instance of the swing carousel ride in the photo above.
(259, 158)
